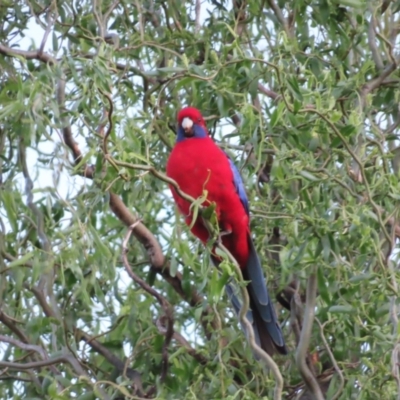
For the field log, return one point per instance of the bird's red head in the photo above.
(193, 114)
(191, 124)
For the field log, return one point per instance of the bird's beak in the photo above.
(187, 125)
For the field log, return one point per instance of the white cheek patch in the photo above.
(187, 123)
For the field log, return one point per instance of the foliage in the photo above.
(305, 98)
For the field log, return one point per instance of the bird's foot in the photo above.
(224, 233)
(221, 235)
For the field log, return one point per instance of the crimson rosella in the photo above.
(199, 166)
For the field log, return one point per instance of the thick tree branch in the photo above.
(28, 55)
(10, 323)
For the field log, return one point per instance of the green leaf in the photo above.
(295, 89)
(10, 206)
(21, 260)
(173, 267)
(326, 246)
(308, 175)
(323, 286)
(89, 395)
(351, 3)
(100, 246)
(277, 114)
(171, 69)
(341, 309)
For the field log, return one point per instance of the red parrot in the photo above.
(197, 164)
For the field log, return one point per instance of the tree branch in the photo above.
(376, 82)
(66, 359)
(168, 311)
(10, 324)
(132, 374)
(24, 346)
(305, 337)
(333, 360)
(279, 16)
(268, 92)
(372, 41)
(28, 55)
(258, 351)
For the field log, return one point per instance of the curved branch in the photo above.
(10, 324)
(28, 55)
(39, 364)
(132, 374)
(268, 92)
(279, 16)
(302, 348)
(333, 360)
(184, 343)
(376, 82)
(372, 42)
(24, 346)
(45, 284)
(110, 123)
(197, 11)
(161, 300)
(67, 131)
(258, 351)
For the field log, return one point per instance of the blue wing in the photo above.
(237, 180)
(262, 315)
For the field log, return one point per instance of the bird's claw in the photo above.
(221, 234)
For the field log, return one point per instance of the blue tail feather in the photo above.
(264, 314)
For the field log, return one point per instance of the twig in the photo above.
(302, 348)
(184, 343)
(376, 82)
(38, 364)
(333, 360)
(132, 374)
(197, 11)
(279, 15)
(50, 24)
(296, 310)
(110, 10)
(110, 123)
(395, 367)
(376, 208)
(88, 171)
(161, 300)
(24, 346)
(372, 41)
(258, 351)
(141, 19)
(153, 171)
(268, 92)
(46, 281)
(100, 22)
